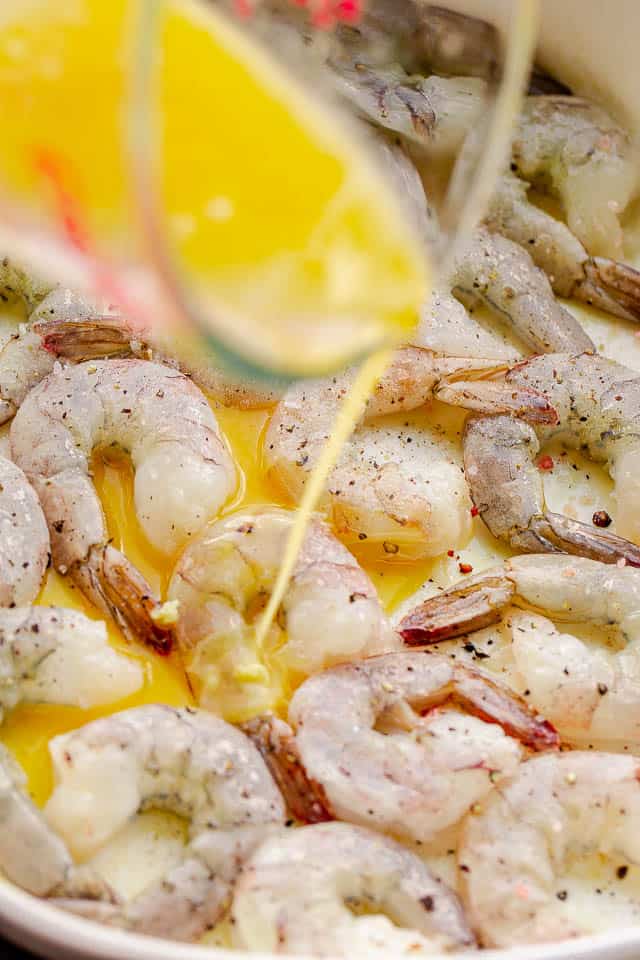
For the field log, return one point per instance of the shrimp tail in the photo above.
(108, 579)
(496, 396)
(494, 703)
(477, 603)
(83, 884)
(554, 532)
(305, 798)
(90, 339)
(612, 286)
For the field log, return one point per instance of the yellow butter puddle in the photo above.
(28, 729)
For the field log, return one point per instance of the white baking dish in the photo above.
(593, 46)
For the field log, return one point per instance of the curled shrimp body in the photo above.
(594, 404)
(397, 491)
(491, 270)
(331, 611)
(367, 737)
(24, 538)
(363, 65)
(186, 761)
(183, 471)
(495, 271)
(608, 284)
(589, 693)
(294, 897)
(436, 112)
(53, 655)
(25, 358)
(32, 855)
(515, 852)
(575, 150)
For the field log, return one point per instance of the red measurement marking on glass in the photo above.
(78, 235)
(324, 13)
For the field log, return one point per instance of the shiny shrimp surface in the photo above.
(183, 472)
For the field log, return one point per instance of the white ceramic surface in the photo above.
(591, 45)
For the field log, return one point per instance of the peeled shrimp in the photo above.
(590, 694)
(31, 855)
(186, 761)
(436, 112)
(52, 655)
(67, 325)
(363, 67)
(491, 270)
(299, 892)
(575, 150)
(331, 611)
(396, 491)
(24, 539)
(594, 404)
(99, 336)
(426, 770)
(26, 359)
(530, 830)
(498, 273)
(183, 472)
(608, 284)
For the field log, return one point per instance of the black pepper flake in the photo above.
(601, 519)
(427, 903)
(478, 654)
(621, 872)
(562, 894)
(602, 689)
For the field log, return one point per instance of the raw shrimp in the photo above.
(433, 112)
(100, 336)
(593, 403)
(608, 284)
(491, 270)
(67, 325)
(24, 359)
(365, 734)
(183, 472)
(52, 655)
(396, 491)
(186, 761)
(24, 538)
(529, 831)
(313, 891)
(500, 274)
(331, 611)
(31, 855)
(588, 694)
(365, 69)
(576, 151)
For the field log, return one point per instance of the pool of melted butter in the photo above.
(145, 848)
